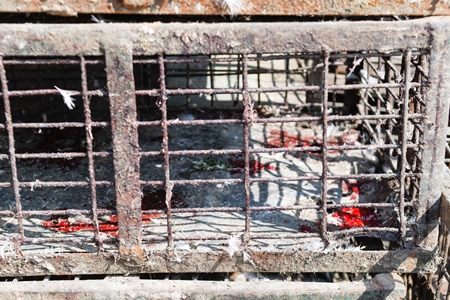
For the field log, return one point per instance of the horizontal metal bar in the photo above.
(403, 261)
(267, 208)
(212, 181)
(380, 287)
(331, 118)
(66, 155)
(60, 125)
(66, 212)
(57, 183)
(26, 93)
(217, 91)
(270, 57)
(51, 61)
(69, 240)
(219, 38)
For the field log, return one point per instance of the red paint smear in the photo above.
(278, 139)
(351, 217)
(109, 227)
(151, 199)
(254, 165)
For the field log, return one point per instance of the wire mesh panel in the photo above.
(216, 148)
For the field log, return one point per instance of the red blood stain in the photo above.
(108, 224)
(304, 228)
(351, 217)
(307, 229)
(254, 166)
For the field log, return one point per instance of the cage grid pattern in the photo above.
(393, 121)
(247, 121)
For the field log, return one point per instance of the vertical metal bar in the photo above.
(287, 72)
(12, 158)
(417, 107)
(434, 128)
(389, 99)
(247, 118)
(211, 79)
(90, 154)
(238, 82)
(39, 79)
(378, 110)
(388, 79)
(326, 57)
(335, 82)
(119, 68)
(258, 73)
(165, 148)
(404, 139)
(366, 91)
(188, 79)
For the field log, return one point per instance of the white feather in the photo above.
(234, 6)
(68, 100)
(233, 244)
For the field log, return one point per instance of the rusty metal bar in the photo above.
(282, 120)
(367, 176)
(89, 148)
(126, 150)
(51, 61)
(66, 212)
(87, 39)
(41, 92)
(263, 150)
(270, 57)
(211, 91)
(248, 121)
(18, 239)
(254, 208)
(56, 125)
(379, 287)
(168, 185)
(403, 139)
(324, 197)
(119, 69)
(66, 155)
(56, 183)
(433, 143)
(403, 261)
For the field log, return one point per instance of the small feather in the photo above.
(68, 100)
(234, 6)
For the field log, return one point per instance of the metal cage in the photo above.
(155, 148)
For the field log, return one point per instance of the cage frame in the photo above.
(119, 42)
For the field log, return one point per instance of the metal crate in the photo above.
(185, 147)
